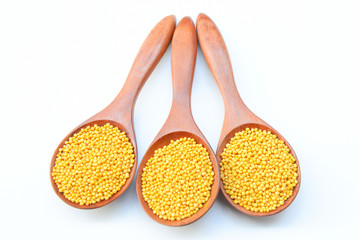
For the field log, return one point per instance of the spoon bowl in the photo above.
(222, 146)
(119, 112)
(238, 116)
(101, 122)
(161, 142)
(180, 122)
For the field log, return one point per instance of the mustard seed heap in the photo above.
(177, 180)
(93, 164)
(257, 170)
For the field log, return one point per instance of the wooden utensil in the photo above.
(119, 113)
(238, 116)
(180, 122)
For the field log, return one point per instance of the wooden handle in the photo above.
(147, 58)
(183, 58)
(217, 57)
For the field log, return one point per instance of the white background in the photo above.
(296, 65)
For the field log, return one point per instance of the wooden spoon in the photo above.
(119, 113)
(238, 116)
(180, 122)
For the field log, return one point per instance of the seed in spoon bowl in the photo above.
(257, 170)
(177, 180)
(93, 164)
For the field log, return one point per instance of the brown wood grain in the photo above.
(238, 116)
(119, 112)
(180, 122)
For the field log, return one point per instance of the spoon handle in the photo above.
(183, 58)
(217, 57)
(146, 60)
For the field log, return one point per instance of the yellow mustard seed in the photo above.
(93, 164)
(177, 180)
(258, 170)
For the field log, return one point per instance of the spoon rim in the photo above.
(99, 122)
(161, 142)
(266, 127)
